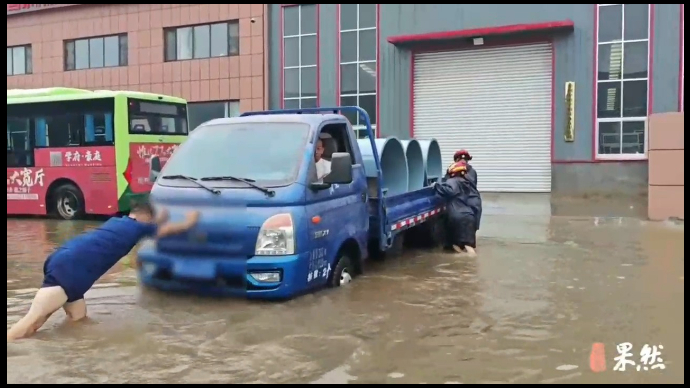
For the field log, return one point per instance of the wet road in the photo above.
(528, 310)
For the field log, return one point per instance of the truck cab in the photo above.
(268, 226)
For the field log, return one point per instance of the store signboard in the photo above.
(14, 9)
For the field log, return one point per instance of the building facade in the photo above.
(210, 54)
(548, 97)
(493, 79)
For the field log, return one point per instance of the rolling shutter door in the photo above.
(494, 102)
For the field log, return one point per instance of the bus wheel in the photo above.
(343, 273)
(68, 201)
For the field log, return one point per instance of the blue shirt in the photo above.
(89, 256)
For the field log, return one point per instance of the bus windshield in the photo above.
(156, 118)
(270, 153)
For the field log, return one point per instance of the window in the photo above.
(299, 56)
(358, 60)
(623, 80)
(334, 138)
(20, 150)
(94, 53)
(57, 124)
(201, 112)
(156, 118)
(238, 150)
(205, 41)
(19, 60)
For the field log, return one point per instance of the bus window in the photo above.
(99, 129)
(20, 150)
(157, 118)
(65, 130)
(71, 123)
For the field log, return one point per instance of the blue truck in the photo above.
(268, 228)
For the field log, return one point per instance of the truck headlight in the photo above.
(276, 236)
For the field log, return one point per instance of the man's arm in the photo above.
(328, 167)
(323, 168)
(446, 189)
(171, 228)
(162, 217)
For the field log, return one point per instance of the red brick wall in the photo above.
(228, 78)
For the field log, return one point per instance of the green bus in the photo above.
(72, 152)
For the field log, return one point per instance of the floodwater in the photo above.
(543, 291)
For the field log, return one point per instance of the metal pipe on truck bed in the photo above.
(415, 165)
(433, 164)
(394, 169)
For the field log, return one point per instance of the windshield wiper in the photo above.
(247, 181)
(192, 179)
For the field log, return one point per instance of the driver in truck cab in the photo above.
(323, 166)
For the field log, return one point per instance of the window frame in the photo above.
(227, 104)
(28, 59)
(597, 121)
(176, 30)
(300, 97)
(358, 94)
(122, 60)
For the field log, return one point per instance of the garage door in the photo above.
(494, 102)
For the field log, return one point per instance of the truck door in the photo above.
(336, 213)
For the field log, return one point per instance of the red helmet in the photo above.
(462, 155)
(457, 168)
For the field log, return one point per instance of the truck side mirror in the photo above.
(341, 169)
(154, 168)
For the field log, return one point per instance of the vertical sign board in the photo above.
(569, 112)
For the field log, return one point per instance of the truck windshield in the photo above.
(266, 153)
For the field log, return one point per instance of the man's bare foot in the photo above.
(471, 252)
(459, 252)
(26, 327)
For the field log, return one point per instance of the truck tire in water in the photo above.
(343, 274)
(398, 246)
(68, 201)
(437, 233)
(429, 235)
(395, 250)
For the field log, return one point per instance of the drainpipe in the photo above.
(266, 56)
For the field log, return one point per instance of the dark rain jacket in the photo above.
(462, 198)
(471, 174)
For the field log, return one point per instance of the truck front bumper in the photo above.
(260, 277)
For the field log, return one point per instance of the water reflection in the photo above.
(526, 311)
(30, 241)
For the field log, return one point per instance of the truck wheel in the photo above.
(437, 232)
(396, 249)
(343, 273)
(68, 201)
(398, 246)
